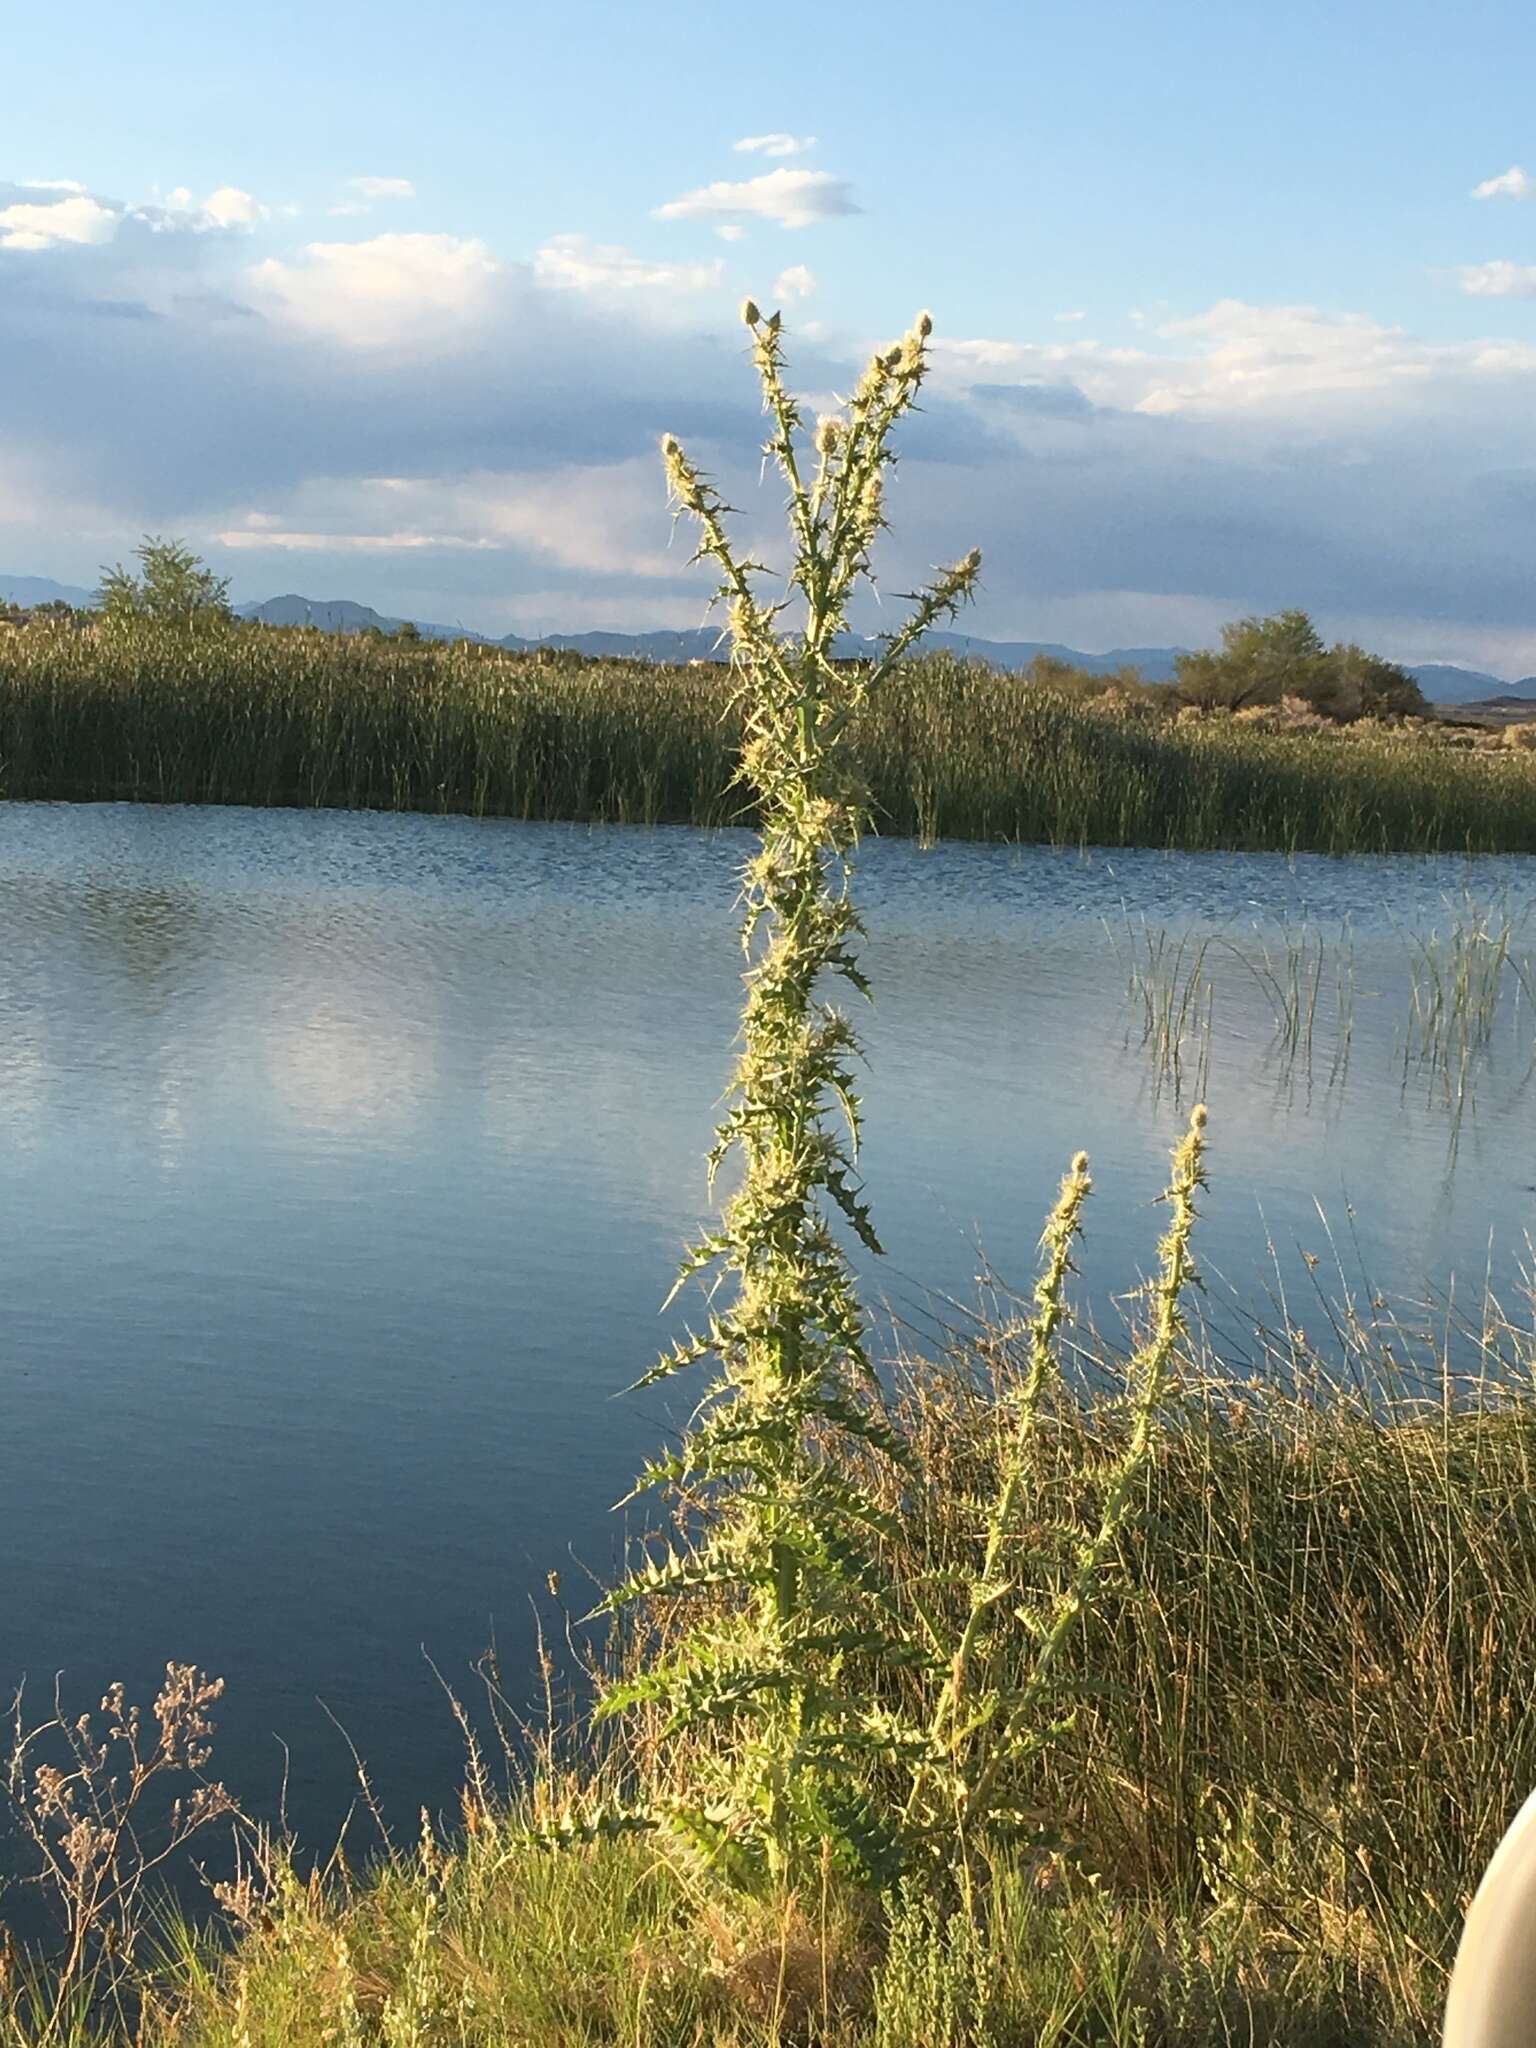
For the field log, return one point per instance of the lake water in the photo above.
(345, 1161)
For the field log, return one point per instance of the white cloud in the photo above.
(229, 207)
(1511, 184)
(1281, 363)
(394, 290)
(795, 283)
(78, 216)
(226, 208)
(574, 263)
(50, 223)
(599, 519)
(1071, 317)
(731, 232)
(1501, 280)
(1247, 354)
(777, 144)
(289, 542)
(594, 519)
(382, 188)
(365, 193)
(795, 199)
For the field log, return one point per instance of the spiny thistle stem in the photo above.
(790, 1537)
(1062, 1228)
(1150, 1377)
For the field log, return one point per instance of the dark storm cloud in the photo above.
(155, 379)
(1049, 401)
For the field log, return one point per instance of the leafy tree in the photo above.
(174, 587)
(408, 630)
(1259, 662)
(1362, 685)
(1050, 672)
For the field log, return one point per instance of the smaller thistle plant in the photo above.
(996, 1708)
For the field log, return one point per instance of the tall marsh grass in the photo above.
(952, 750)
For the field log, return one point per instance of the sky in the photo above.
(1235, 306)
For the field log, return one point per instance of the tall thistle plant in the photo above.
(782, 1562)
(811, 1698)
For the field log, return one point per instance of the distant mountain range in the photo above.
(30, 590)
(1440, 682)
(700, 643)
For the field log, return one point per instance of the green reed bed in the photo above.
(252, 715)
(952, 751)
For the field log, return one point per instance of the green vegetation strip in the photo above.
(949, 749)
(1300, 1717)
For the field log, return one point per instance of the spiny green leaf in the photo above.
(679, 1572)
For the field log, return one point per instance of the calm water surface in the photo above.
(345, 1159)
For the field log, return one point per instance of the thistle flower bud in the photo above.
(922, 327)
(892, 359)
(829, 432)
(774, 322)
(670, 446)
(749, 312)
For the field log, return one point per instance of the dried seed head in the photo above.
(870, 383)
(749, 312)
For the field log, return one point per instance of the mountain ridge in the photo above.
(1441, 682)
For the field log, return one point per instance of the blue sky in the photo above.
(392, 303)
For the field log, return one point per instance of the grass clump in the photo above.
(1301, 1719)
